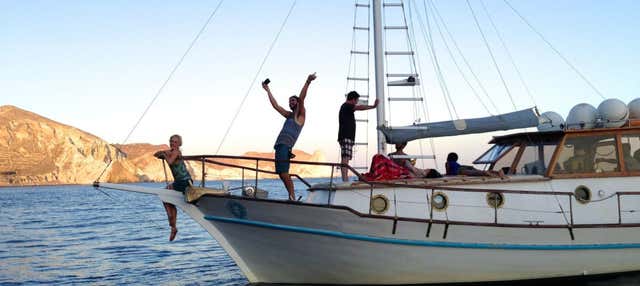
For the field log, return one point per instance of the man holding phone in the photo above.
(294, 121)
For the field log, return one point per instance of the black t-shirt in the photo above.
(347, 122)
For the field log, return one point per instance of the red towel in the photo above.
(383, 168)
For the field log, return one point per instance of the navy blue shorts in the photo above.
(282, 158)
(181, 185)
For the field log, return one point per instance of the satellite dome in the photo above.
(549, 121)
(613, 112)
(582, 116)
(634, 109)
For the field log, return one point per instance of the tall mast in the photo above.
(379, 71)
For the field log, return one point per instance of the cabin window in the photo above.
(588, 154)
(493, 154)
(631, 151)
(535, 159)
(504, 163)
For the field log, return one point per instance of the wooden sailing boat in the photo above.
(552, 216)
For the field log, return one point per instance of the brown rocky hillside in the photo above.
(35, 150)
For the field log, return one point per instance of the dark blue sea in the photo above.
(79, 235)
(70, 235)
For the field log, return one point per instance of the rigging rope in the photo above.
(464, 59)
(434, 59)
(293, 4)
(513, 62)
(438, 19)
(555, 50)
(422, 90)
(173, 71)
(486, 43)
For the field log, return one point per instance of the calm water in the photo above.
(78, 235)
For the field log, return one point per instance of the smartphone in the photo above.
(266, 81)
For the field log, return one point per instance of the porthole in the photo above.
(582, 194)
(439, 201)
(379, 204)
(495, 200)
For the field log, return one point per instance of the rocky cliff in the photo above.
(35, 150)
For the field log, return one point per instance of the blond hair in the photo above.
(178, 137)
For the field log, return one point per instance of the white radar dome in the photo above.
(549, 121)
(582, 116)
(613, 113)
(634, 109)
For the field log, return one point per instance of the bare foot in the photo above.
(174, 231)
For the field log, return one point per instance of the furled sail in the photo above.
(517, 119)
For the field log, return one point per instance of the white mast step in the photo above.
(402, 75)
(361, 28)
(405, 98)
(404, 82)
(360, 52)
(358, 78)
(399, 53)
(396, 27)
(362, 5)
(392, 4)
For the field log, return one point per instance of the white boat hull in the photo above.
(292, 243)
(282, 242)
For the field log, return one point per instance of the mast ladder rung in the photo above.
(405, 98)
(402, 75)
(363, 101)
(404, 82)
(392, 4)
(362, 120)
(360, 144)
(362, 5)
(360, 52)
(396, 53)
(361, 28)
(396, 27)
(361, 168)
(358, 78)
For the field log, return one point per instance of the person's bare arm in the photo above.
(301, 110)
(162, 154)
(274, 103)
(305, 87)
(169, 155)
(172, 156)
(367, 107)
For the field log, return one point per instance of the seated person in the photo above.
(454, 169)
(630, 162)
(406, 163)
(577, 163)
(635, 166)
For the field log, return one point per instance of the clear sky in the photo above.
(96, 65)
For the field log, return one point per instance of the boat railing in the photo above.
(224, 160)
(256, 169)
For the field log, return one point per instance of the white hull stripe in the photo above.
(422, 243)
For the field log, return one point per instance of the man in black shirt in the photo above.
(347, 128)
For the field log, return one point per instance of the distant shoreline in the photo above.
(68, 184)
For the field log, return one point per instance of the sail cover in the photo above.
(517, 119)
